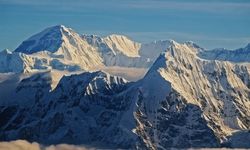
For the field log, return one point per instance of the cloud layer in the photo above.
(24, 145)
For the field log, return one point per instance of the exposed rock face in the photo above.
(61, 48)
(183, 101)
(198, 103)
(188, 98)
(85, 108)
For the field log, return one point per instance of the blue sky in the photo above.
(211, 24)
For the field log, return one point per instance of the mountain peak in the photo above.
(160, 62)
(49, 39)
(173, 43)
(61, 28)
(176, 51)
(57, 29)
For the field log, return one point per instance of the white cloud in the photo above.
(19, 145)
(24, 145)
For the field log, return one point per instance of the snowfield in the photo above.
(60, 87)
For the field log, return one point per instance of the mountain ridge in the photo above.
(61, 48)
(183, 101)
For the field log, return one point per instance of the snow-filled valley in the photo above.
(111, 92)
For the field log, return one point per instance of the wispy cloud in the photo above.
(211, 6)
(24, 145)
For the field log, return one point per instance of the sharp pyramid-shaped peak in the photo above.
(160, 62)
(56, 28)
(49, 39)
(172, 52)
(59, 28)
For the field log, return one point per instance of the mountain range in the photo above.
(55, 91)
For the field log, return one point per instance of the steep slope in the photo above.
(186, 101)
(121, 44)
(57, 47)
(150, 51)
(10, 62)
(85, 108)
(61, 48)
(65, 44)
(116, 50)
(25, 89)
(25, 63)
(188, 98)
(119, 50)
(238, 55)
(49, 39)
(183, 101)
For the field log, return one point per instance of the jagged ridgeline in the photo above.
(62, 48)
(190, 97)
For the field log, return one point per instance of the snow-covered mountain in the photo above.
(238, 55)
(121, 44)
(63, 45)
(61, 48)
(84, 108)
(10, 62)
(186, 101)
(190, 96)
(25, 63)
(183, 101)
